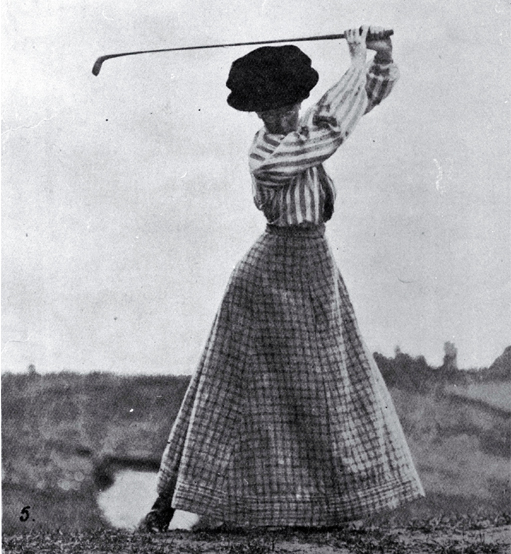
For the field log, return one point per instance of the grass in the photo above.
(440, 536)
(498, 394)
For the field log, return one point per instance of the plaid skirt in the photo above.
(287, 420)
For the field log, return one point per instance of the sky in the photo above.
(126, 198)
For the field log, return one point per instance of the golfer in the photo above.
(287, 420)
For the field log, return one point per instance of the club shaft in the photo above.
(99, 62)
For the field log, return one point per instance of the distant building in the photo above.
(450, 357)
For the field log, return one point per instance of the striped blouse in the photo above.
(290, 184)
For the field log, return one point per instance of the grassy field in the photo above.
(58, 428)
(496, 393)
(439, 536)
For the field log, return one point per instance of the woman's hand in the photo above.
(356, 39)
(378, 42)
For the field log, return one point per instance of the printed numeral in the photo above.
(25, 513)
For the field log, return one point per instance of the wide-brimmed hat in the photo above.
(270, 77)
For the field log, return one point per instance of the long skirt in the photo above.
(287, 420)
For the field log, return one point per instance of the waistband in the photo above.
(313, 231)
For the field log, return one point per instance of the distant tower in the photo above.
(450, 357)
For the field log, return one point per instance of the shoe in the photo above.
(159, 517)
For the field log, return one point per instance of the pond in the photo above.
(127, 501)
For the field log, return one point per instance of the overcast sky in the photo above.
(126, 197)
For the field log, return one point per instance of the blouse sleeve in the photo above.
(274, 159)
(380, 80)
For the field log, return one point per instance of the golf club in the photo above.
(99, 62)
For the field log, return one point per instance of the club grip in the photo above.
(386, 34)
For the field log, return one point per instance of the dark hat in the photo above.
(270, 77)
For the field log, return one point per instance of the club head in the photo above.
(97, 66)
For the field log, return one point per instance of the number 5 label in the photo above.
(25, 513)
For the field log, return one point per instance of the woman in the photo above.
(287, 420)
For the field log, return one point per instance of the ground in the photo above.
(430, 537)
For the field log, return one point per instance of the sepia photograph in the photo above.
(256, 277)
